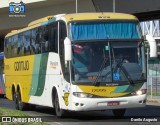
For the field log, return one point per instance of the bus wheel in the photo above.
(20, 104)
(119, 113)
(59, 112)
(15, 100)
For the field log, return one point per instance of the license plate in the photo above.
(113, 103)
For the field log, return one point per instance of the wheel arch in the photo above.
(54, 91)
(13, 90)
(19, 89)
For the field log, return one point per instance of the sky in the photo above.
(5, 3)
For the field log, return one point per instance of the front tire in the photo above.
(59, 112)
(119, 113)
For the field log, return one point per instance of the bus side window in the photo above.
(26, 42)
(53, 37)
(15, 45)
(20, 45)
(6, 47)
(44, 40)
(9, 47)
(38, 40)
(33, 41)
(46, 33)
(63, 35)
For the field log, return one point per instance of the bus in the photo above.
(2, 85)
(77, 62)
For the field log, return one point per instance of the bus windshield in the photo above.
(107, 51)
(108, 61)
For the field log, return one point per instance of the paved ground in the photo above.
(151, 111)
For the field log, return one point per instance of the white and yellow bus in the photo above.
(77, 62)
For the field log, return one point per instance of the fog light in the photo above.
(82, 104)
(76, 104)
(82, 95)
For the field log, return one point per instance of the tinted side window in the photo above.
(6, 47)
(14, 45)
(53, 37)
(44, 40)
(20, 49)
(38, 40)
(33, 41)
(27, 41)
(10, 47)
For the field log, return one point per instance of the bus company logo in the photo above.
(53, 64)
(21, 65)
(17, 9)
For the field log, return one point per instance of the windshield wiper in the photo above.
(95, 83)
(119, 65)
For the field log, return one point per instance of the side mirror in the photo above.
(67, 49)
(153, 45)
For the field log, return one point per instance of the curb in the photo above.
(153, 101)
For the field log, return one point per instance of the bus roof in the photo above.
(75, 17)
(99, 16)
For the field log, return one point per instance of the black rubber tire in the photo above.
(119, 113)
(2, 96)
(15, 100)
(21, 105)
(59, 112)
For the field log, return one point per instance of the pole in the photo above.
(76, 6)
(114, 6)
(148, 80)
(156, 79)
(147, 71)
(147, 62)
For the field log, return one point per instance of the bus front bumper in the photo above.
(88, 104)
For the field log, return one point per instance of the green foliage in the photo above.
(10, 112)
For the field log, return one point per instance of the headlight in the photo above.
(82, 95)
(140, 92)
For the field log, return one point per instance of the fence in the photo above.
(153, 86)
